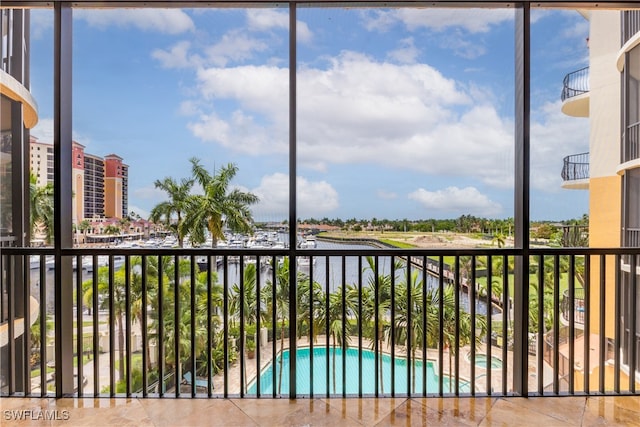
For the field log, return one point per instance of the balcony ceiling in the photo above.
(577, 106)
(576, 184)
(13, 89)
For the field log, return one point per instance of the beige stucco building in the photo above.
(608, 94)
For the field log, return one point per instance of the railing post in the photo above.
(62, 148)
(292, 202)
(522, 154)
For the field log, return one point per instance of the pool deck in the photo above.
(464, 365)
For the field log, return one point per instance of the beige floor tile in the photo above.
(367, 411)
(410, 413)
(195, 412)
(567, 409)
(26, 412)
(301, 412)
(507, 412)
(612, 410)
(466, 411)
(100, 412)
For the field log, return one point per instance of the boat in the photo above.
(305, 261)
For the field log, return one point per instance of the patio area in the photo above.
(480, 411)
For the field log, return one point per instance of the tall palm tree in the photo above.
(310, 306)
(280, 305)
(409, 320)
(178, 195)
(382, 286)
(117, 301)
(41, 207)
(452, 317)
(333, 319)
(218, 206)
(180, 327)
(246, 298)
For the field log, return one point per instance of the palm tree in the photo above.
(450, 318)
(179, 327)
(112, 230)
(280, 304)
(382, 286)
(409, 320)
(164, 211)
(41, 207)
(334, 320)
(310, 306)
(498, 239)
(117, 302)
(84, 226)
(246, 298)
(218, 206)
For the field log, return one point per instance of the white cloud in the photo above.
(169, 21)
(406, 53)
(177, 56)
(362, 111)
(454, 199)
(44, 132)
(471, 20)
(41, 23)
(315, 198)
(553, 136)
(260, 91)
(400, 116)
(143, 213)
(268, 19)
(150, 193)
(462, 45)
(235, 46)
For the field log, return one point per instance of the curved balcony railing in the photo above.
(631, 143)
(576, 167)
(578, 305)
(630, 24)
(575, 83)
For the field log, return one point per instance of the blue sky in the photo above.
(402, 113)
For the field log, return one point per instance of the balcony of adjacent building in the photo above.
(575, 93)
(575, 172)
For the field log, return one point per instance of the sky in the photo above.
(401, 113)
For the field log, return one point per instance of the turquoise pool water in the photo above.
(351, 355)
(481, 361)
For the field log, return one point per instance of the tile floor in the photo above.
(480, 411)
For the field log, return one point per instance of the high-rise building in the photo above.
(99, 184)
(93, 186)
(125, 190)
(77, 185)
(115, 185)
(41, 161)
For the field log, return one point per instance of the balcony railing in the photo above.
(631, 143)
(576, 309)
(220, 323)
(575, 83)
(575, 167)
(630, 24)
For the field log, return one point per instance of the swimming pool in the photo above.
(368, 373)
(481, 361)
